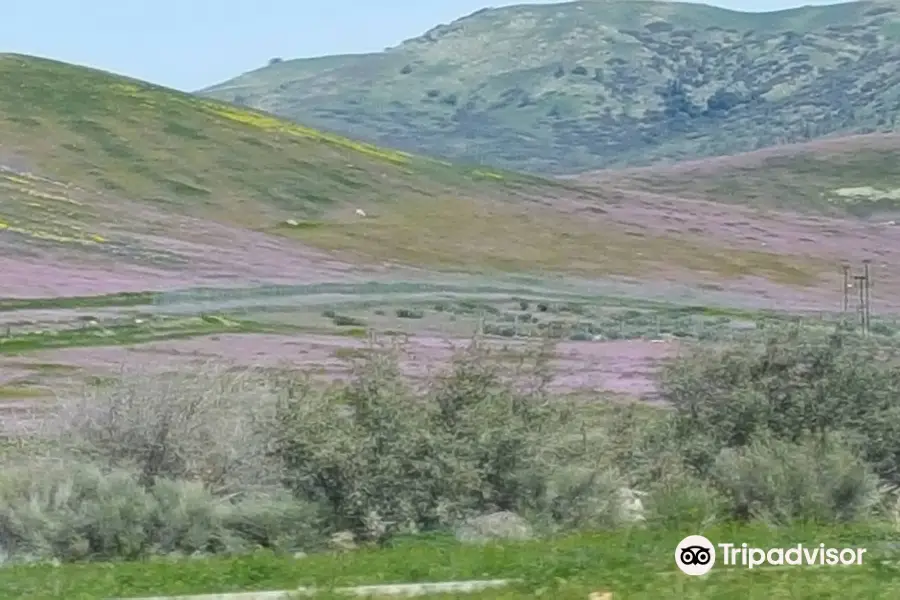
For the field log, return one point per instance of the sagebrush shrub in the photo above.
(210, 424)
(387, 458)
(788, 383)
(814, 479)
(76, 511)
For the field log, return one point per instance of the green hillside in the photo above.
(592, 84)
(145, 143)
(104, 164)
(82, 150)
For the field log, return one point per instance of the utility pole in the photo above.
(860, 279)
(867, 294)
(846, 269)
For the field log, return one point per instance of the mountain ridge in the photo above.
(570, 87)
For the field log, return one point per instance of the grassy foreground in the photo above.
(636, 564)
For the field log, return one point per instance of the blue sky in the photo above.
(190, 44)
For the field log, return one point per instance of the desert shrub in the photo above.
(499, 330)
(787, 383)
(69, 510)
(575, 308)
(53, 512)
(209, 425)
(347, 321)
(581, 497)
(409, 313)
(388, 459)
(476, 306)
(811, 480)
(678, 499)
(881, 328)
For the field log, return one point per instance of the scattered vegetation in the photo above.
(119, 332)
(791, 425)
(347, 321)
(124, 299)
(409, 313)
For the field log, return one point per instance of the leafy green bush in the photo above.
(385, 459)
(793, 423)
(788, 383)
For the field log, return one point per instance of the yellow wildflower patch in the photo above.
(272, 124)
(18, 179)
(488, 174)
(54, 237)
(46, 195)
(126, 88)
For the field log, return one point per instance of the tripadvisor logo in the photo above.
(696, 555)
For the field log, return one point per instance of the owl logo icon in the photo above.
(695, 555)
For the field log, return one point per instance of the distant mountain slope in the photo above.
(856, 176)
(592, 84)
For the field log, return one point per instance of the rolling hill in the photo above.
(856, 176)
(584, 85)
(109, 184)
(108, 171)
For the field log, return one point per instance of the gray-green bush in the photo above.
(780, 482)
(70, 510)
(386, 458)
(789, 383)
(210, 425)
